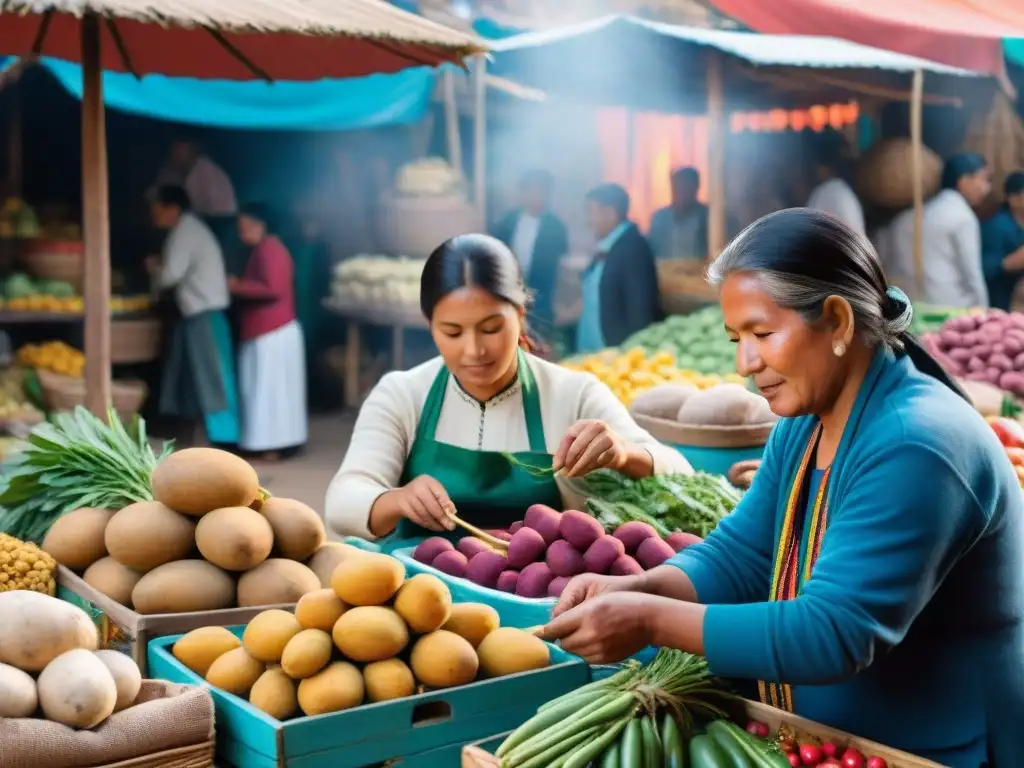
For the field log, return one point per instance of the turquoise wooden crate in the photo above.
(717, 461)
(374, 733)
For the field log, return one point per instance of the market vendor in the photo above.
(1002, 245)
(870, 579)
(198, 383)
(833, 194)
(479, 430)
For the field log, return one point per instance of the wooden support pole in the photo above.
(95, 223)
(451, 121)
(717, 129)
(480, 136)
(917, 174)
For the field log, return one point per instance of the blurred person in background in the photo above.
(540, 241)
(951, 241)
(198, 382)
(209, 188)
(1002, 243)
(680, 230)
(833, 194)
(620, 287)
(271, 356)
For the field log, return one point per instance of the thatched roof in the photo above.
(236, 39)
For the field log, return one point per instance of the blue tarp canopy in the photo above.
(626, 61)
(322, 105)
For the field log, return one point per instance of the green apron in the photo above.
(487, 488)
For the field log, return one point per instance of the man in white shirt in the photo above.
(834, 195)
(210, 191)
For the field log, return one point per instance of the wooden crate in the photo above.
(481, 754)
(130, 632)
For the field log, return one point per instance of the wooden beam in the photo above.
(718, 128)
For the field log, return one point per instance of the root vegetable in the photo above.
(633, 534)
(653, 552)
(681, 540)
(452, 562)
(602, 553)
(485, 568)
(127, 678)
(534, 580)
(507, 581)
(564, 560)
(625, 566)
(810, 754)
(428, 549)
(852, 758)
(470, 547)
(558, 585)
(298, 529)
(527, 546)
(544, 520)
(515, 527)
(276, 581)
(18, 697)
(35, 629)
(580, 529)
(77, 689)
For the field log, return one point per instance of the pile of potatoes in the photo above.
(210, 540)
(49, 665)
(373, 636)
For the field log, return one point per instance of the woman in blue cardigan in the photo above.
(872, 577)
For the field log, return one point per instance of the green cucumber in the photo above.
(705, 753)
(761, 753)
(734, 751)
(672, 745)
(632, 754)
(652, 744)
(612, 756)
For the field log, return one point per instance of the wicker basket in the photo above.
(56, 260)
(64, 393)
(135, 341)
(198, 756)
(884, 176)
(415, 226)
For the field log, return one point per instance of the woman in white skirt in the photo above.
(271, 356)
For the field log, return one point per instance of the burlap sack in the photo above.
(165, 716)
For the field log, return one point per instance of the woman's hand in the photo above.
(424, 501)
(588, 445)
(606, 629)
(590, 585)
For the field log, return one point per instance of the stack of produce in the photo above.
(692, 504)
(634, 372)
(23, 294)
(14, 404)
(697, 341)
(378, 281)
(18, 220)
(548, 548)
(431, 176)
(206, 526)
(982, 346)
(53, 356)
(722, 405)
(24, 566)
(49, 665)
(305, 663)
(930, 319)
(1011, 435)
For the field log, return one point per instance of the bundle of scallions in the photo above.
(75, 460)
(636, 717)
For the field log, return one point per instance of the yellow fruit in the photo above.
(425, 602)
(388, 679)
(274, 693)
(472, 621)
(307, 653)
(199, 648)
(319, 610)
(370, 633)
(507, 651)
(371, 579)
(328, 557)
(443, 659)
(338, 687)
(268, 633)
(235, 672)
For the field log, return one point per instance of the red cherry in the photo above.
(794, 759)
(830, 749)
(852, 758)
(810, 754)
(877, 762)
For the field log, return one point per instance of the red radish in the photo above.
(830, 749)
(830, 762)
(852, 758)
(758, 729)
(794, 759)
(810, 754)
(877, 762)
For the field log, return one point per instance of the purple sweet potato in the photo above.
(556, 586)
(625, 566)
(452, 562)
(563, 559)
(485, 567)
(428, 549)
(580, 529)
(507, 581)
(499, 533)
(515, 527)
(545, 521)
(633, 533)
(602, 553)
(534, 580)
(653, 552)
(680, 541)
(470, 547)
(527, 546)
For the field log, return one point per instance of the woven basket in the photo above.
(64, 393)
(135, 341)
(884, 176)
(415, 226)
(56, 260)
(747, 436)
(198, 756)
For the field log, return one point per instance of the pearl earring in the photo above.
(839, 349)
